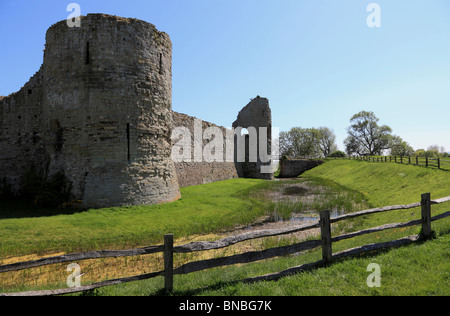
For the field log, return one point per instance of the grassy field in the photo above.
(419, 269)
(202, 209)
(350, 185)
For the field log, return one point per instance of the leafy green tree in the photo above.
(300, 142)
(420, 152)
(365, 136)
(326, 141)
(400, 148)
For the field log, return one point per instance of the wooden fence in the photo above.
(440, 163)
(169, 249)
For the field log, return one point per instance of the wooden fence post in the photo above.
(426, 215)
(168, 263)
(325, 230)
(439, 163)
(426, 161)
(417, 160)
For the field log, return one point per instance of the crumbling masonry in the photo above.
(100, 110)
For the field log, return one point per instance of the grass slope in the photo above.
(202, 209)
(385, 183)
(404, 271)
(418, 269)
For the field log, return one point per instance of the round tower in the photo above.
(107, 103)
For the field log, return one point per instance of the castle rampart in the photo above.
(99, 111)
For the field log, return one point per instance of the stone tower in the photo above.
(107, 109)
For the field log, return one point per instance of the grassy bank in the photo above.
(418, 269)
(207, 208)
(388, 184)
(350, 185)
(385, 183)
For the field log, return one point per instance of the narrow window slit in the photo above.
(87, 53)
(160, 63)
(128, 143)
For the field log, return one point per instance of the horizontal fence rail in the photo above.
(169, 249)
(442, 163)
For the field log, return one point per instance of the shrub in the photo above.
(337, 153)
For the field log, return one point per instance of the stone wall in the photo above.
(194, 173)
(21, 132)
(228, 164)
(256, 117)
(295, 167)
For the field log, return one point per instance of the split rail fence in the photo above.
(169, 249)
(440, 163)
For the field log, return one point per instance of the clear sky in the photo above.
(316, 61)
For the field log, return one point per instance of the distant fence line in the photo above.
(169, 249)
(442, 163)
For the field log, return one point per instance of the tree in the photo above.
(434, 148)
(300, 142)
(365, 136)
(337, 153)
(352, 146)
(326, 141)
(432, 151)
(308, 142)
(400, 148)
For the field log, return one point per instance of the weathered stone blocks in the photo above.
(103, 103)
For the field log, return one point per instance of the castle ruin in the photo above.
(99, 110)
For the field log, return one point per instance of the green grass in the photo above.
(202, 209)
(405, 271)
(387, 184)
(419, 269)
(384, 184)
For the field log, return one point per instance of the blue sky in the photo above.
(316, 61)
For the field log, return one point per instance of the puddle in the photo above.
(298, 202)
(295, 190)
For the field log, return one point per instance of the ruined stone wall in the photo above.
(21, 132)
(256, 117)
(295, 167)
(195, 173)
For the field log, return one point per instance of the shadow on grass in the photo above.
(274, 277)
(25, 208)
